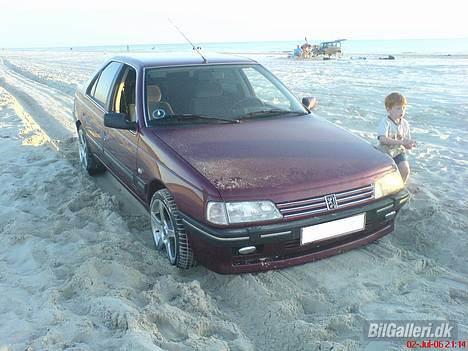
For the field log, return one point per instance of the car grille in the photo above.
(318, 205)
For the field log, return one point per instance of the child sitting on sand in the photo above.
(394, 133)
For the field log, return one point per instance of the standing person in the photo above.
(394, 133)
(306, 49)
(297, 52)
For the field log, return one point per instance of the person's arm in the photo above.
(391, 142)
(408, 143)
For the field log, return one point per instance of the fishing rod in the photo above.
(196, 48)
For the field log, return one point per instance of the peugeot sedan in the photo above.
(235, 171)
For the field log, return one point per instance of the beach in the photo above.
(78, 269)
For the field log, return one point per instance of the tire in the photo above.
(88, 161)
(168, 231)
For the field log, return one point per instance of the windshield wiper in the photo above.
(270, 112)
(187, 116)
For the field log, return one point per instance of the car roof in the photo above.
(142, 60)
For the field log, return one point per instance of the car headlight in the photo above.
(390, 183)
(240, 212)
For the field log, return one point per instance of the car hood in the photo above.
(257, 158)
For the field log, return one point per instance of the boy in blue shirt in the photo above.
(297, 52)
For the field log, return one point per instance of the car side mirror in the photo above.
(309, 102)
(118, 121)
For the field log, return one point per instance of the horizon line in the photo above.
(212, 42)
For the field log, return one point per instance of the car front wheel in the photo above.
(168, 231)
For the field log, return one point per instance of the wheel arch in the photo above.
(154, 186)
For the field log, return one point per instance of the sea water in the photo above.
(352, 47)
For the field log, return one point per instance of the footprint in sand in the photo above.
(22, 194)
(413, 189)
(219, 331)
(313, 305)
(459, 295)
(170, 328)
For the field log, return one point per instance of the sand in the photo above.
(78, 270)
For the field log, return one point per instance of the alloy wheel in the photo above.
(82, 149)
(163, 229)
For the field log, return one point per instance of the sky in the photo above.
(61, 23)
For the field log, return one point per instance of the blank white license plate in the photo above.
(332, 229)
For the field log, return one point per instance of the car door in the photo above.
(120, 146)
(97, 95)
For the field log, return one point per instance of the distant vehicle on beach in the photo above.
(326, 50)
(330, 48)
(235, 172)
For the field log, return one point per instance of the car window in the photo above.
(123, 100)
(105, 83)
(218, 91)
(265, 90)
(92, 87)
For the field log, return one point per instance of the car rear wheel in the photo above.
(89, 163)
(168, 231)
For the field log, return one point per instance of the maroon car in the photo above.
(236, 172)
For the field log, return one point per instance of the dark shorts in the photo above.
(400, 158)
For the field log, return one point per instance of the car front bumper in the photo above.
(278, 245)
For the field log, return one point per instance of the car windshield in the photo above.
(216, 94)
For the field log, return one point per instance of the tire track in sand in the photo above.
(34, 99)
(64, 87)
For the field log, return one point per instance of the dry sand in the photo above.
(78, 270)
